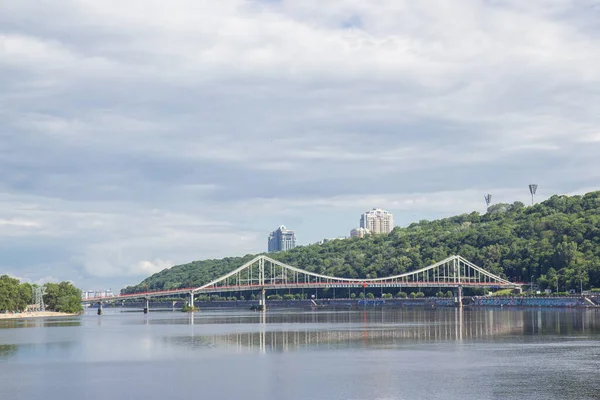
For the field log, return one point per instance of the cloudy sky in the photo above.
(139, 134)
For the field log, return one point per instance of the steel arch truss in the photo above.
(265, 272)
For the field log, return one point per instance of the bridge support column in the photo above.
(99, 308)
(191, 301)
(263, 299)
(460, 296)
(146, 306)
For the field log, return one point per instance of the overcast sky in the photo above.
(139, 134)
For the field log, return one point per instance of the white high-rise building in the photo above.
(359, 232)
(377, 221)
(282, 239)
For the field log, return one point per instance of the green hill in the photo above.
(556, 239)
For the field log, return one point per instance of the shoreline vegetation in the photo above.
(18, 298)
(36, 314)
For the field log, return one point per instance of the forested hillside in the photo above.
(554, 241)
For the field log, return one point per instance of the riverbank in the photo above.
(36, 314)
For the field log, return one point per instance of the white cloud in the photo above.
(140, 132)
(119, 258)
(39, 281)
(46, 279)
(105, 268)
(151, 267)
(19, 223)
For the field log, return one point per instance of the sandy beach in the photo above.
(35, 314)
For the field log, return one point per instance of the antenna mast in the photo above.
(488, 200)
(532, 189)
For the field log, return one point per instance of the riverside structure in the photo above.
(263, 273)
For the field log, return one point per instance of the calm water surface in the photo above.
(375, 354)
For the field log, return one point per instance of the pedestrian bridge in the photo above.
(264, 273)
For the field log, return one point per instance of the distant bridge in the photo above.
(264, 273)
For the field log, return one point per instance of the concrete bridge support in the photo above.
(191, 301)
(459, 296)
(147, 306)
(263, 299)
(99, 308)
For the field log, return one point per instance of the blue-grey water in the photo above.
(375, 354)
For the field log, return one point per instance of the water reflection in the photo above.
(7, 350)
(566, 322)
(286, 332)
(282, 332)
(39, 322)
(407, 353)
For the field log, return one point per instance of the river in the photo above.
(409, 353)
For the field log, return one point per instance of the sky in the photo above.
(137, 135)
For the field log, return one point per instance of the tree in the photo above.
(9, 293)
(498, 208)
(25, 296)
(51, 295)
(69, 304)
(549, 280)
(62, 297)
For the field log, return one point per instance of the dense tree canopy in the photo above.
(62, 297)
(16, 296)
(555, 243)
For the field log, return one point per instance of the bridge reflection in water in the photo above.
(380, 328)
(274, 332)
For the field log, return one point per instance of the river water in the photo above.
(374, 354)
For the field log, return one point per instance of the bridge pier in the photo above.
(147, 306)
(460, 296)
(99, 308)
(263, 300)
(191, 301)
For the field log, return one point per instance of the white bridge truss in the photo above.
(265, 273)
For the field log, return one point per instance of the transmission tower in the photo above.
(532, 190)
(38, 298)
(488, 200)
